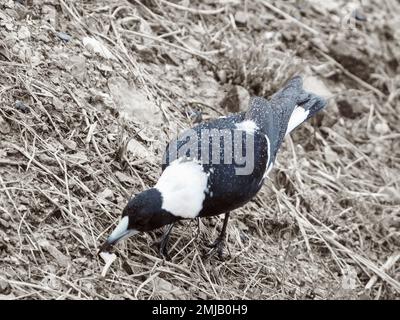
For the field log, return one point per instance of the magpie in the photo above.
(217, 166)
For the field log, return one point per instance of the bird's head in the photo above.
(142, 213)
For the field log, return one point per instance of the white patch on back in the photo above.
(182, 186)
(248, 126)
(299, 115)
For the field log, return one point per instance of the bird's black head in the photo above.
(142, 213)
(145, 213)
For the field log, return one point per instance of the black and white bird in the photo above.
(217, 166)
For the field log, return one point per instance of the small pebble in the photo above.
(64, 36)
(20, 106)
(359, 15)
(241, 17)
(221, 74)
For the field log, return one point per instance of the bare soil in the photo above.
(91, 92)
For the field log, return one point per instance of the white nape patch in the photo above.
(299, 115)
(183, 185)
(248, 125)
(269, 165)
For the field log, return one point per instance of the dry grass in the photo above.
(325, 226)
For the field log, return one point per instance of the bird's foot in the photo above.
(217, 248)
(161, 247)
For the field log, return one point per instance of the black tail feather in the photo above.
(313, 103)
(272, 116)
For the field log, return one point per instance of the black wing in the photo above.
(230, 185)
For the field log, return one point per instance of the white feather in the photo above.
(183, 185)
(269, 165)
(248, 125)
(299, 115)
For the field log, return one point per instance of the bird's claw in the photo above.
(162, 250)
(217, 247)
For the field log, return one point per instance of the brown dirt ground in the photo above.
(91, 91)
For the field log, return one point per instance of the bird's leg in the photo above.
(219, 243)
(163, 242)
(198, 227)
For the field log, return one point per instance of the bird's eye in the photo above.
(140, 222)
